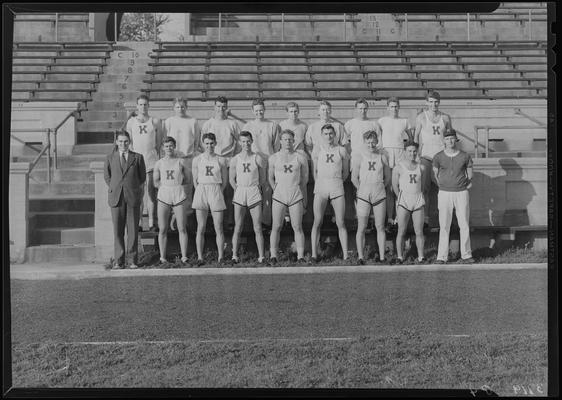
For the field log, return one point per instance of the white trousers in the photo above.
(446, 203)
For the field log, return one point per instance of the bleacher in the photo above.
(346, 71)
(51, 71)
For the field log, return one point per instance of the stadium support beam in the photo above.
(19, 210)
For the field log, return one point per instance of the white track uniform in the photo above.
(329, 180)
(300, 133)
(248, 191)
(431, 137)
(355, 129)
(371, 189)
(410, 196)
(265, 136)
(208, 194)
(313, 137)
(393, 135)
(288, 178)
(186, 133)
(171, 191)
(226, 131)
(143, 140)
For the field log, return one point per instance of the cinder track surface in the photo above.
(327, 304)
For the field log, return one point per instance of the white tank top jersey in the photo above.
(410, 181)
(355, 129)
(371, 169)
(264, 134)
(313, 137)
(209, 169)
(287, 174)
(329, 162)
(171, 172)
(299, 130)
(393, 131)
(186, 133)
(143, 139)
(226, 131)
(247, 173)
(431, 136)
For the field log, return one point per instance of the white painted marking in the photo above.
(193, 341)
(457, 335)
(50, 272)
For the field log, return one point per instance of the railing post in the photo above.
(220, 25)
(282, 27)
(475, 142)
(48, 133)
(468, 27)
(487, 142)
(56, 27)
(530, 25)
(406, 24)
(115, 27)
(55, 152)
(18, 215)
(344, 28)
(155, 29)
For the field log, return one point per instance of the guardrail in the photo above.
(47, 148)
(488, 128)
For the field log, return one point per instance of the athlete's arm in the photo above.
(386, 171)
(271, 171)
(303, 178)
(156, 174)
(378, 129)
(469, 172)
(395, 177)
(447, 121)
(436, 169)
(418, 129)
(345, 164)
(275, 137)
(315, 165)
(355, 165)
(159, 134)
(308, 140)
(261, 171)
(224, 174)
(195, 171)
(232, 173)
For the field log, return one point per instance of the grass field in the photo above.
(330, 256)
(501, 362)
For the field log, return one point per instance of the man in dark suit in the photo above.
(125, 173)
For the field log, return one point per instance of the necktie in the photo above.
(123, 161)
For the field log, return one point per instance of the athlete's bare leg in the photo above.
(256, 214)
(217, 223)
(418, 218)
(181, 220)
(296, 213)
(201, 216)
(379, 213)
(362, 222)
(403, 216)
(277, 217)
(163, 216)
(239, 214)
(319, 206)
(338, 205)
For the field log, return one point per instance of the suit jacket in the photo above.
(128, 181)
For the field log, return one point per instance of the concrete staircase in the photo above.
(61, 215)
(120, 84)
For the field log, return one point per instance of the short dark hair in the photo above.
(247, 134)
(370, 135)
(123, 132)
(288, 132)
(434, 95)
(450, 132)
(409, 143)
(326, 103)
(257, 102)
(143, 96)
(392, 100)
(361, 100)
(221, 99)
(169, 139)
(209, 135)
(291, 104)
(180, 100)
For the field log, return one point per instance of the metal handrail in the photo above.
(488, 128)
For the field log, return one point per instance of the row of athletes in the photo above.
(147, 133)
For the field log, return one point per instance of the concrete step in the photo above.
(126, 69)
(74, 161)
(71, 187)
(59, 252)
(97, 148)
(105, 115)
(63, 175)
(121, 87)
(62, 219)
(121, 78)
(66, 203)
(62, 235)
(98, 125)
(90, 137)
(106, 105)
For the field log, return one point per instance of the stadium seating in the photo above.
(57, 71)
(345, 71)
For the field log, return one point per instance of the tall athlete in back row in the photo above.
(146, 138)
(430, 126)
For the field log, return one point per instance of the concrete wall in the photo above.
(18, 217)
(42, 115)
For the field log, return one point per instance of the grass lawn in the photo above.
(332, 256)
(405, 360)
